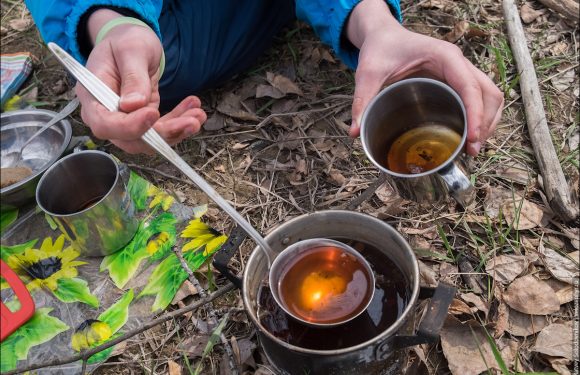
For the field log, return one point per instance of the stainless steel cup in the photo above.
(403, 106)
(87, 197)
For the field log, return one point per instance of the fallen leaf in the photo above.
(459, 307)
(494, 199)
(530, 295)
(477, 301)
(231, 105)
(386, 194)
(518, 175)
(268, 91)
(466, 348)
(427, 274)
(240, 146)
(20, 24)
(529, 14)
(173, 367)
(220, 168)
(561, 267)
(457, 33)
(193, 345)
(283, 84)
(505, 268)
(564, 80)
(520, 324)
(556, 340)
(522, 215)
(187, 289)
(564, 291)
(501, 320)
(215, 122)
(337, 177)
(560, 365)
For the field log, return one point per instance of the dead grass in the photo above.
(290, 165)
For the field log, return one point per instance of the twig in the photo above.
(568, 8)
(353, 204)
(211, 312)
(162, 319)
(555, 185)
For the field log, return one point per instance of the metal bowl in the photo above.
(15, 128)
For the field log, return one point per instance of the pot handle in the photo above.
(430, 326)
(225, 254)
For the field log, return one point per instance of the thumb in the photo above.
(367, 85)
(135, 81)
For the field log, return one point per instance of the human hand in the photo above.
(127, 60)
(389, 53)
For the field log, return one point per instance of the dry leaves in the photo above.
(556, 340)
(21, 24)
(463, 29)
(561, 267)
(531, 296)
(465, 348)
(529, 14)
(505, 268)
(173, 368)
(520, 324)
(522, 215)
(279, 87)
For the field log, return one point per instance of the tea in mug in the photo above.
(325, 285)
(422, 149)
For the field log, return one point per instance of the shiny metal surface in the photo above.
(87, 197)
(16, 128)
(403, 106)
(370, 357)
(15, 157)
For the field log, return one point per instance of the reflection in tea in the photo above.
(421, 149)
(391, 297)
(325, 285)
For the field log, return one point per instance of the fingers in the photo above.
(186, 104)
(117, 125)
(493, 101)
(368, 82)
(135, 80)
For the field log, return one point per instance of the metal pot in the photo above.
(372, 356)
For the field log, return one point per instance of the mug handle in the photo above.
(458, 184)
(225, 254)
(428, 331)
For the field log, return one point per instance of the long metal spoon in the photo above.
(276, 262)
(14, 158)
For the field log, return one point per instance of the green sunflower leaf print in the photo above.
(168, 276)
(75, 290)
(7, 218)
(39, 329)
(164, 282)
(123, 264)
(6, 251)
(137, 188)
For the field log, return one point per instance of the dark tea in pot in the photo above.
(391, 296)
(325, 285)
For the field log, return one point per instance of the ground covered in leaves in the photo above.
(276, 146)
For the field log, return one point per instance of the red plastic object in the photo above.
(10, 321)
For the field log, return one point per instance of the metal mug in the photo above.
(86, 195)
(406, 105)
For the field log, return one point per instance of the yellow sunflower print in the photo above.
(90, 332)
(47, 265)
(160, 197)
(155, 244)
(202, 234)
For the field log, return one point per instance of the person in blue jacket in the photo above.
(156, 54)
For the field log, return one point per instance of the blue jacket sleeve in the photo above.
(328, 19)
(58, 20)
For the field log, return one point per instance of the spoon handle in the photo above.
(110, 100)
(70, 107)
